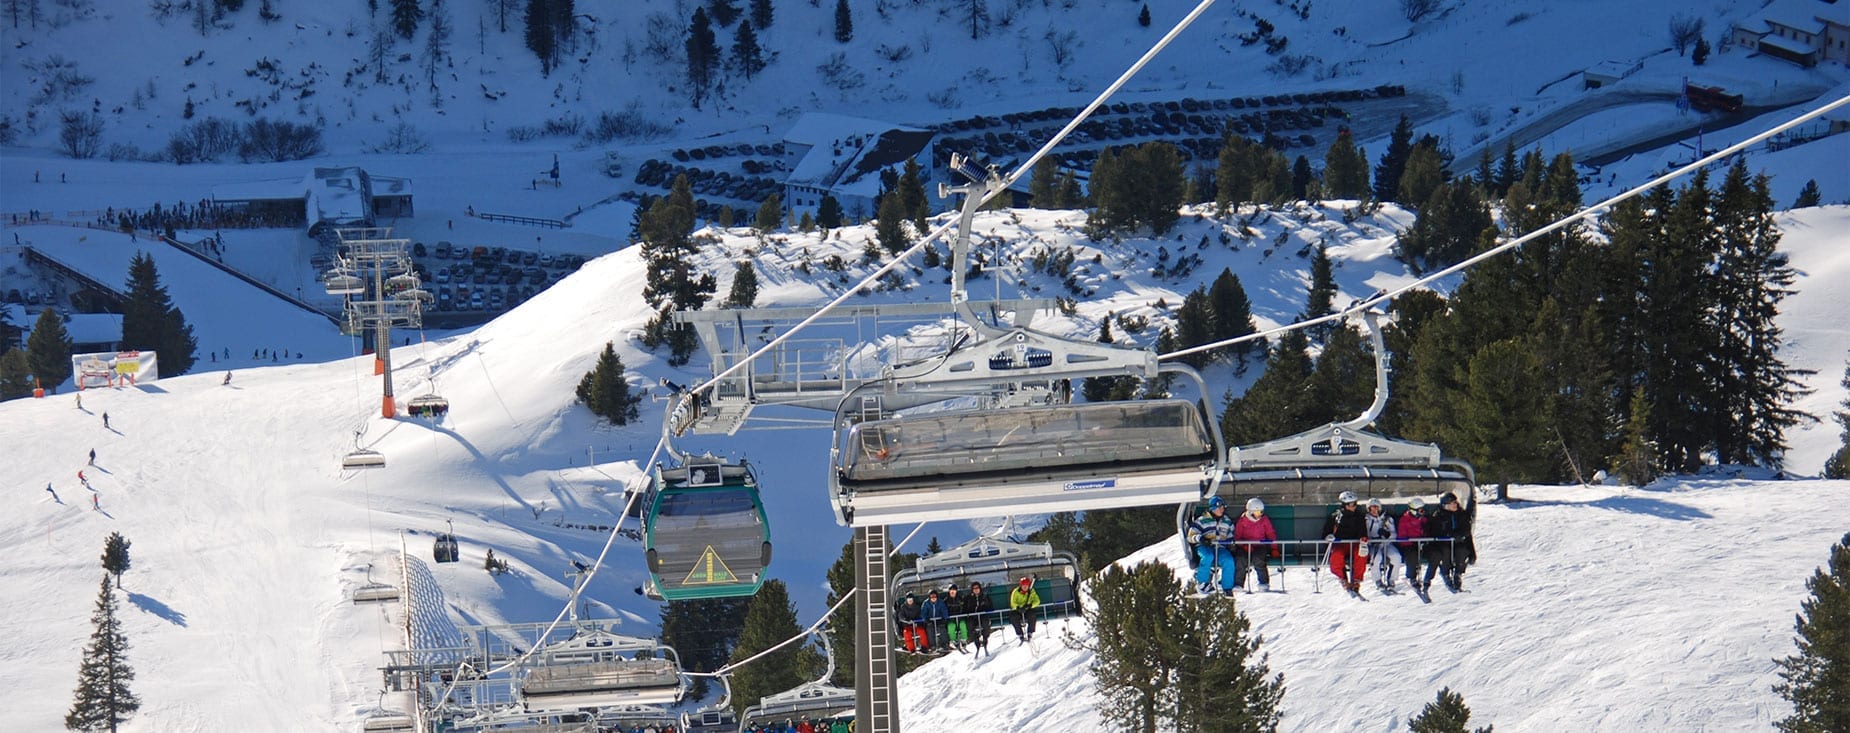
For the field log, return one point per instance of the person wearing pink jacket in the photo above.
(1412, 526)
(1256, 542)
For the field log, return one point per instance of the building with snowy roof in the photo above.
(842, 156)
(346, 196)
(1805, 32)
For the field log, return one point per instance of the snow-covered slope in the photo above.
(1597, 608)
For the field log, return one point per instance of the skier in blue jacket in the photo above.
(1211, 534)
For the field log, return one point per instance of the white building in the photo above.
(1805, 32)
(842, 156)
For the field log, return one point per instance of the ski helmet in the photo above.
(1347, 497)
(1216, 503)
(1448, 498)
(1255, 504)
(1416, 503)
(1374, 503)
(1025, 580)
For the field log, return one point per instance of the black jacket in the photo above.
(1346, 524)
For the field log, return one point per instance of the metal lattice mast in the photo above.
(876, 682)
(382, 292)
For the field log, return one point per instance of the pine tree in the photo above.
(540, 37)
(1501, 419)
(1221, 678)
(770, 216)
(1233, 318)
(1321, 298)
(1041, 184)
(1751, 277)
(1836, 467)
(48, 350)
(1637, 458)
(9, 331)
(668, 250)
(1447, 714)
(1278, 402)
(1815, 678)
(1394, 163)
(1301, 176)
(976, 15)
(844, 22)
(15, 375)
(115, 556)
(1700, 55)
(103, 700)
(436, 46)
(1508, 170)
(890, 229)
(606, 392)
(1143, 16)
(1808, 196)
(1105, 389)
(744, 286)
(829, 213)
(723, 12)
(1196, 324)
(761, 14)
(746, 56)
(150, 322)
(769, 620)
(1342, 383)
(911, 190)
(405, 17)
(702, 52)
(703, 632)
(1345, 169)
(1140, 186)
(1422, 175)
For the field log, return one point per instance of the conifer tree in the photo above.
(1447, 714)
(1676, 334)
(744, 286)
(761, 14)
(1067, 194)
(844, 22)
(541, 39)
(1041, 184)
(1345, 169)
(150, 322)
(48, 350)
(668, 250)
(15, 375)
(1451, 222)
(1320, 300)
(1221, 678)
(911, 191)
(1394, 163)
(1508, 170)
(605, 390)
(1423, 173)
(1815, 679)
(1196, 325)
(1233, 318)
(1808, 196)
(702, 55)
(1750, 278)
(9, 331)
(103, 700)
(891, 227)
(1103, 389)
(1501, 425)
(1139, 186)
(1278, 402)
(1836, 467)
(723, 12)
(770, 216)
(405, 17)
(1143, 16)
(1637, 458)
(115, 556)
(829, 213)
(1342, 384)
(746, 56)
(703, 633)
(1301, 176)
(771, 618)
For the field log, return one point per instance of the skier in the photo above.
(979, 607)
(84, 481)
(936, 615)
(959, 626)
(96, 503)
(105, 421)
(1380, 529)
(910, 627)
(1454, 523)
(80, 400)
(1022, 602)
(54, 494)
(1210, 534)
(227, 377)
(1344, 530)
(1413, 527)
(1255, 539)
(92, 456)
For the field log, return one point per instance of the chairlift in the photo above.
(998, 564)
(814, 701)
(601, 669)
(991, 460)
(375, 593)
(705, 534)
(415, 293)
(1310, 470)
(362, 458)
(342, 282)
(429, 407)
(445, 549)
(390, 721)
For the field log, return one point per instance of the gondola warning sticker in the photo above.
(709, 569)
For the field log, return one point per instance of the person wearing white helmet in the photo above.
(1345, 530)
(1256, 541)
(1383, 555)
(1211, 537)
(1412, 526)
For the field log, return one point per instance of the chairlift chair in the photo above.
(1056, 456)
(341, 282)
(812, 700)
(601, 669)
(375, 593)
(390, 721)
(429, 407)
(705, 533)
(999, 565)
(362, 458)
(445, 548)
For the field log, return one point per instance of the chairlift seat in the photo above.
(430, 406)
(390, 722)
(813, 700)
(598, 684)
(363, 458)
(977, 463)
(375, 593)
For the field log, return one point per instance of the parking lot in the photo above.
(474, 280)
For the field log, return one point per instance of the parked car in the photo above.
(443, 250)
(417, 250)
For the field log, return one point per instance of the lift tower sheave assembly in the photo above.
(373, 273)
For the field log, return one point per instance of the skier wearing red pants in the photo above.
(1346, 530)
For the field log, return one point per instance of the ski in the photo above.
(1356, 594)
(1424, 598)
